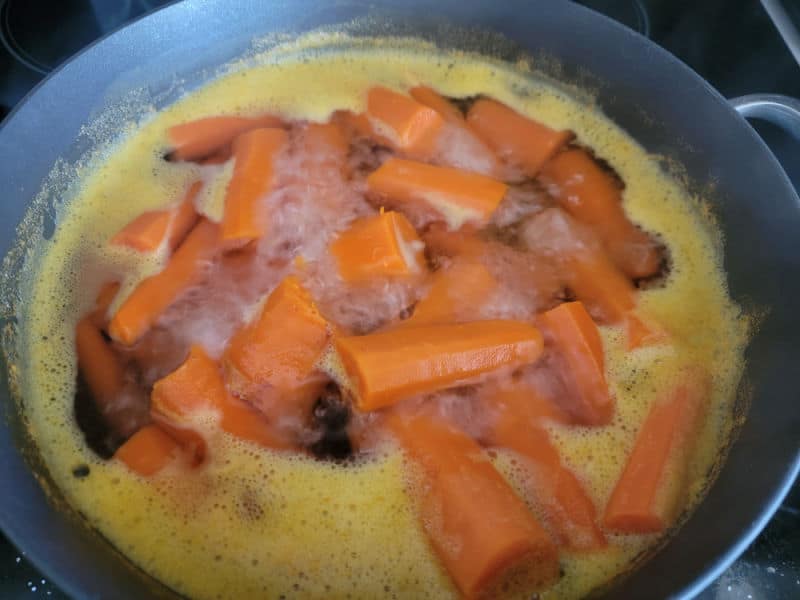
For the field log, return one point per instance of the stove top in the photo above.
(732, 43)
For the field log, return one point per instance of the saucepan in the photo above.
(662, 103)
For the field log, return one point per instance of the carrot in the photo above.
(592, 196)
(480, 530)
(516, 139)
(569, 511)
(155, 294)
(97, 361)
(148, 451)
(649, 493)
(253, 173)
(385, 244)
(204, 137)
(576, 341)
(278, 350)
(410, 127)
(432, 99)
(389, 366)
(151, 229)
(106, 295)
(458, 196)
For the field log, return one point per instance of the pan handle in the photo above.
(783, 111)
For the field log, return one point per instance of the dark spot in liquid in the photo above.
(81, 471)
(329, 417)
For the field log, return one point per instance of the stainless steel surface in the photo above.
(784, 25)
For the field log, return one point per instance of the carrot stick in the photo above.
(577, 343)
(516, 139)
(97, 362)
(385, 244)
(389, 366)
(650, 491)
(203, 137)
(106, 295)
(148, 451)
(253, 174)
(458, 196)
(410, 127)
(480, 530)
(592, 196)
(432, 99)
(155, 294)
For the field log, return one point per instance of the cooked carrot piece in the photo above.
(328, 135)
(389, 366)
(279, 348)
(408, 125)
(204, 137)
(253, 174)
(98, 364)
(149, 230)
(385, 244)
(648, 494)
(432, 99)
(148, 451)
(155, 294)
(597, 282)
(592, 196)
(106, 295)
(480, 530)
(577, 343)
(516, 139)
(458, 196)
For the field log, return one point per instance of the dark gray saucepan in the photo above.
(661, 102)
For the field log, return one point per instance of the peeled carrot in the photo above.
(480, 530)
(329, 135)
(458, 196)
(577, 343)
(432, 99)
(389, 366)
(649, 493)
(148, 451)
(97, 362)
(203, 137)
(155, 294)
(409, 126)
(149, 230)
(516, 139)
(385, 244)
(106, 295)
(592, 196)
(253, 173)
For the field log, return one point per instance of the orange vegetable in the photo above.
(592, 196)
(458, 196)
(649, 493)
(385, 244)
(432, 99)
(155, 294)
(516, 139)
(408, 125)
(105, 297)
(149, 230)
(480, 530)
(98, 364)
(328, 135)
(389, 366)
(278, 350)
(253, 172)
(204, 137)
(148, 451)
(577, 343)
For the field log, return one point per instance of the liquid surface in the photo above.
(256, 523)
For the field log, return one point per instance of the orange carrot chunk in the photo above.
(148, 451)
(649, 493)
(577, 342)
(458, 196)
(592, 196)
(409, 126)
(432, 99)
(518, 140)
(480, 530)
(155, 294)
(105, 297)
(253, 173)
(204, 137)
(385, 244)
(98, 364)
(389, 366)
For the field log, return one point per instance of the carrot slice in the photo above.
(577, 342)
(648, 494)
(149, 230)
(253, 174)
(432, 99)
(592, 196)
(408, 125)
(516, 139)
(389, 366)
(203, 137)
(480, 530)
(596, 281)
(458, 196)
(385, 244)
(148, 451)
(98, 364)
(155, 294)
